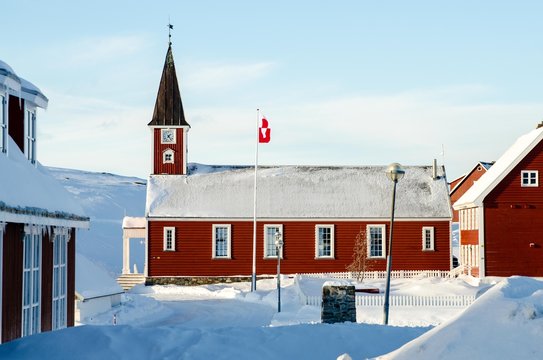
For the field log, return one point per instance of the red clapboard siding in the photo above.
(514, 220)
(12, 282)
(178, 148)
(16, 118)
(193, 255)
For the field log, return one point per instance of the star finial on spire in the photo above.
(170, 28)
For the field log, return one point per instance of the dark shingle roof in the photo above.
(168, 105)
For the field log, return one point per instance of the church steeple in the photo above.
(168, 105)
(168, 124)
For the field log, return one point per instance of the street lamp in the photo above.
(394, 172)
(278, 248)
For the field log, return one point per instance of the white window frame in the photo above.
(529, 173)
(165, 154)
(228, 228)
(174, 132)
(30, 134)
(31, 300)
(59, 311)
(3, 124)
(319, 246)
(428, 230)
(383, 240)
(270, 251)
(171, 245)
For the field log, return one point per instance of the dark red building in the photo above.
(501, 215)
(200, 219)
(38, 219)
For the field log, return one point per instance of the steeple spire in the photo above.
(168, 106)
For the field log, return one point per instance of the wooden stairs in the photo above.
(128, 281)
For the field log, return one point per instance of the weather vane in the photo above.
(170, 28)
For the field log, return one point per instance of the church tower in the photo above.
(168, 125)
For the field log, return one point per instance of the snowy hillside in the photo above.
(106, 199)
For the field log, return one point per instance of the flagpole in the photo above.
(253, 278)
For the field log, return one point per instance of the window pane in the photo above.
(325, 243)
(376, 241)
(221, 241)
(271, 249)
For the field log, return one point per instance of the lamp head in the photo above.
(395, 172)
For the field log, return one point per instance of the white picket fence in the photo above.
(378, 300)
(395, 274)
(369, 300)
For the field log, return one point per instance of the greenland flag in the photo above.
(264, 132)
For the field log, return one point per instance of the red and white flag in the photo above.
(264, 132)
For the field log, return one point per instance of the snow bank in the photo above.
(504, 323)
(299, 192)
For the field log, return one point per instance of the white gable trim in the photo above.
(475, 196)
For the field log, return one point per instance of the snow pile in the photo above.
(299, 192)
(504, 323)
(21, 87)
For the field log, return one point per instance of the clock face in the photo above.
(168, 136)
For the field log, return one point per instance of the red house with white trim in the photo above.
(460, 185)
(38, 221)
(200, 219)
(501, 215)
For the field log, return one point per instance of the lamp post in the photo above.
(394, 172)
(278, 248)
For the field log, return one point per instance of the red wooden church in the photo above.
(38, 219)
(200, 221)
(501, 215)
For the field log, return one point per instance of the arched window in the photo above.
(167, 156)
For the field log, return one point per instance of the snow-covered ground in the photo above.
(227, 321)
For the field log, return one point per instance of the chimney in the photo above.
(434, 170)
(539, 125)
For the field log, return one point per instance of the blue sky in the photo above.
(342, 83)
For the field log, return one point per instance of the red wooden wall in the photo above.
(12, 282)
(467, 182)
(172, 169)
(513, 221)
(193, 255)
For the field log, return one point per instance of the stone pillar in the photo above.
(338, 303)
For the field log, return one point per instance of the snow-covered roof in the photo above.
(92, 281)
(28, 192)
(130, 222)
(503, 166)
(298, 192)
(15, 85)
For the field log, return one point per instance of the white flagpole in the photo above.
(253, 278)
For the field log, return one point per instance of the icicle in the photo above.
(2, 226)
